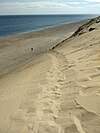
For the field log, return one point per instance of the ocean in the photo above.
(18, 24)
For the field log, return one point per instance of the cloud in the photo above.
(31, 7)
(48, 6)
(98, 1)
(31, 4)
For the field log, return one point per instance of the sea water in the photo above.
(18, 24)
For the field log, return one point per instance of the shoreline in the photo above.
(15, 51)
(42, 29)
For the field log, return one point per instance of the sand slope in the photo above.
(59, 92)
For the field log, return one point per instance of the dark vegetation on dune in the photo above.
(87, 27)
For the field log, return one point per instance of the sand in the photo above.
(15, 51)
(51, 91)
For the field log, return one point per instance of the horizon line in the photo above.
(48, 14)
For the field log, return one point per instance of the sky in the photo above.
(18, 7)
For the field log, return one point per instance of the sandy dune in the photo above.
(57, 92)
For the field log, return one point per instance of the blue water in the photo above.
(11, 25)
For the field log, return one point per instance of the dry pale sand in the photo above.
(57, 92)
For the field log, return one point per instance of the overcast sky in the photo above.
(10, 7)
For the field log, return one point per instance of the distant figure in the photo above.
(32, 49)
(53, 47)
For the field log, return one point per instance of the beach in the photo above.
(50, 80)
